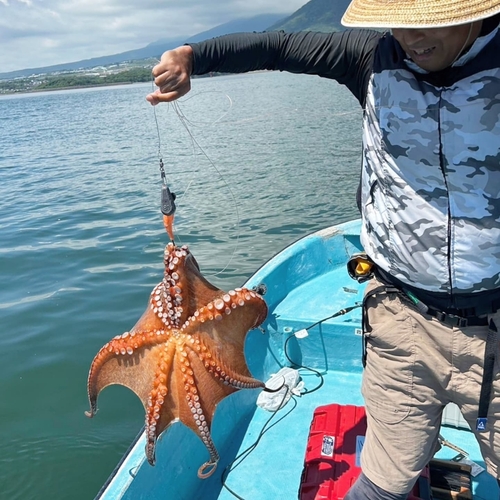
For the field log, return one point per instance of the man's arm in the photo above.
(344, 56)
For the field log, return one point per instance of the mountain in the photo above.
(316, 15)
(151, 50)
(258, 23)
(155, 49)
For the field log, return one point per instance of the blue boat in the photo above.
(314, 324)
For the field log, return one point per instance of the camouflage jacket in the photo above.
(431, 170)
(430, 197)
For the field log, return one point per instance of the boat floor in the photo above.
(273, 469)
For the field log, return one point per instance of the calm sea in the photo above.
(274, 157)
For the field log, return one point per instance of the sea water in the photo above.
(257, 161)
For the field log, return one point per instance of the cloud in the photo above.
(36, 33)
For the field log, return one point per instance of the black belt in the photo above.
(459, 317)
(456, 319)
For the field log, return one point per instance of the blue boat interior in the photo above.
(262, 453)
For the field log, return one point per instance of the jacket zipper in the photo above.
(443, 170)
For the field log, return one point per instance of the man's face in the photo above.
(434, 49)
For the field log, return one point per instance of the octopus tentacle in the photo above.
(201, 420)
(208, 468)
(224, 306)
(158, 396)
(156, 399)
(220, 370)
(122, 346)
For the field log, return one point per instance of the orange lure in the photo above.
(168, 210)
(168, 222)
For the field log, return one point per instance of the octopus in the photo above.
(184, 355)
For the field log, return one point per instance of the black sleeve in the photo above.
(345, 56)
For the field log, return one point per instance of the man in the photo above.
(430, 204)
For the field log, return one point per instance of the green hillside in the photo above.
(316, 15)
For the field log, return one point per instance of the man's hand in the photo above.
(172, 75)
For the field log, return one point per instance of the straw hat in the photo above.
(417, 13)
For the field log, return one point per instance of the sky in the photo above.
(38, 33)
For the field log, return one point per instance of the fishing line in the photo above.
(186, 123)
(157, 131)
(298, 365)
(341, 312)
(202, 123)
(159, 150)
(245, 453)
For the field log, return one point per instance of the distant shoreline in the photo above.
(72, 87)
(111, 84)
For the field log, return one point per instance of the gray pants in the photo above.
(364, 489)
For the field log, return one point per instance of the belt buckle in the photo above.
(452, 319)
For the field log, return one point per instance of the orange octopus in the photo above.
(184, 355)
